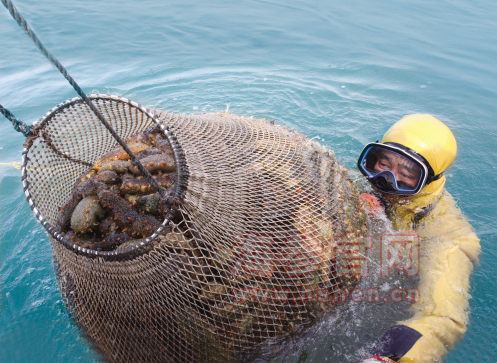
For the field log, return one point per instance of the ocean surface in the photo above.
(338, 71)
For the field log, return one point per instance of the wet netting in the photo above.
(242, 250)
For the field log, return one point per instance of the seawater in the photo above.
(340, 72)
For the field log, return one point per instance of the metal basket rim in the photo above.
(178, 194)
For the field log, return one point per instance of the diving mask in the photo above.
(395, 169)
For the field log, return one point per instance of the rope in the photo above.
(48, 141)
(19, 126)
(24, 25)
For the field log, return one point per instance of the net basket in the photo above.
(246, 253)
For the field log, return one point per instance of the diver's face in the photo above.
(405, 171)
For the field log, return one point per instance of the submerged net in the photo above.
(246, 250)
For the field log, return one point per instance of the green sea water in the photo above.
(340, 72)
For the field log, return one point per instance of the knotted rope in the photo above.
(19, 126)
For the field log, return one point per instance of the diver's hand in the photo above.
(377, 359)
(394, 344)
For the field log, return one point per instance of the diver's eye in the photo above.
(407, 176)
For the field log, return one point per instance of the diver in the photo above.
(406, 169)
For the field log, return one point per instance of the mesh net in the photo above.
(247, 254)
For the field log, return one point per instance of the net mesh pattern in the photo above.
(250, 256)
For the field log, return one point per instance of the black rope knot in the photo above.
(19, 126)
